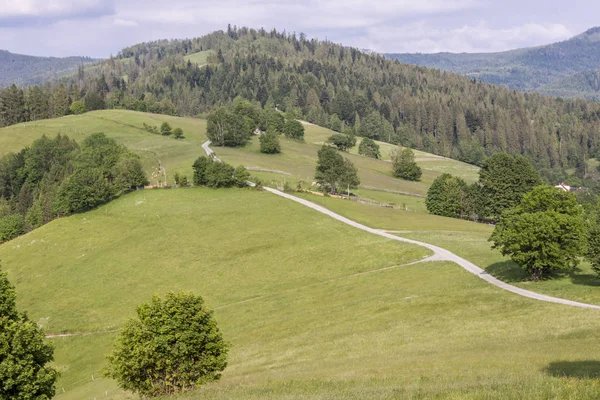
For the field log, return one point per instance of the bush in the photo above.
(77, 107)
(11, 226)
(293, 129)
(165, 129)
(220, 175)
(404, 165)
(446, 196)
(174, 345)
(200, 168)
(241, 176)
(342, 141)
(269, 143)
(178, 133)
(369, 148)
(334, 171)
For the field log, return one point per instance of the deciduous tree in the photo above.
(544, 233)
(173, 345)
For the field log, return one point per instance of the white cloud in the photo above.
(422, 37)
(125, 22)
(17, 12)
(301, 14)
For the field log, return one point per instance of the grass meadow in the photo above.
(309, 305)
(302, 324)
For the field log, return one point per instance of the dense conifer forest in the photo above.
(330, 85)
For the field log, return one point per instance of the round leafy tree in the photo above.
(24, 355)
(544, 233)
(174, 345)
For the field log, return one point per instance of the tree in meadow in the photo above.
(369, 148)
(269, 143)
(172, 346)
(404, 165)
(544, 233)
(335, 172)
(293, 129)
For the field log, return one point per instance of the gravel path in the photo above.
(439, 254)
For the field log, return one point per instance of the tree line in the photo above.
(330, 85)
(58, 177)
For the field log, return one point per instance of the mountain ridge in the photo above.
(529, 69)
(25, 70)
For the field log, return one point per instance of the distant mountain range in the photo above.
(25, 70)
(568, 69)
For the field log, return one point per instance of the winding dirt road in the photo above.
(439, 254)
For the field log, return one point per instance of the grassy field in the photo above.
(301, 322)
(126, 128)
(289, 285)
(298, 159)
(467, 239)
(200, 58)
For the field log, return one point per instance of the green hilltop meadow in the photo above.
(312, 308)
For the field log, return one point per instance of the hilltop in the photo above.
(565, 68)
(24, 70)
(332, 86)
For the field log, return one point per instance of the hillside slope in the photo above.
(297, 161)
(546, 69)
(23, 70)
(334, 86)
(302, 320)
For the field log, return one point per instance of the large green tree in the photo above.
(504, 181)
(24, 354)
(544, 233)
(225, 128)
(172, 346)
(335, 172)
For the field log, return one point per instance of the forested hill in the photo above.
(561, 69)
(324, 83)
(25, 70)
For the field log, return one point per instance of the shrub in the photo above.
(11, 226)
(369, 148)
(174, 345)
(404, 165)
(342, 141)
(269, 143)
(178, 133)
(77, 107)
(293, 129)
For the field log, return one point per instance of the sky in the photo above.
(99, 28)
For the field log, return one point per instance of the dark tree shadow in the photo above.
(587, 369)
(507, 271)
(578, 277)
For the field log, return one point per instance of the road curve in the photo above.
(439, 254)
